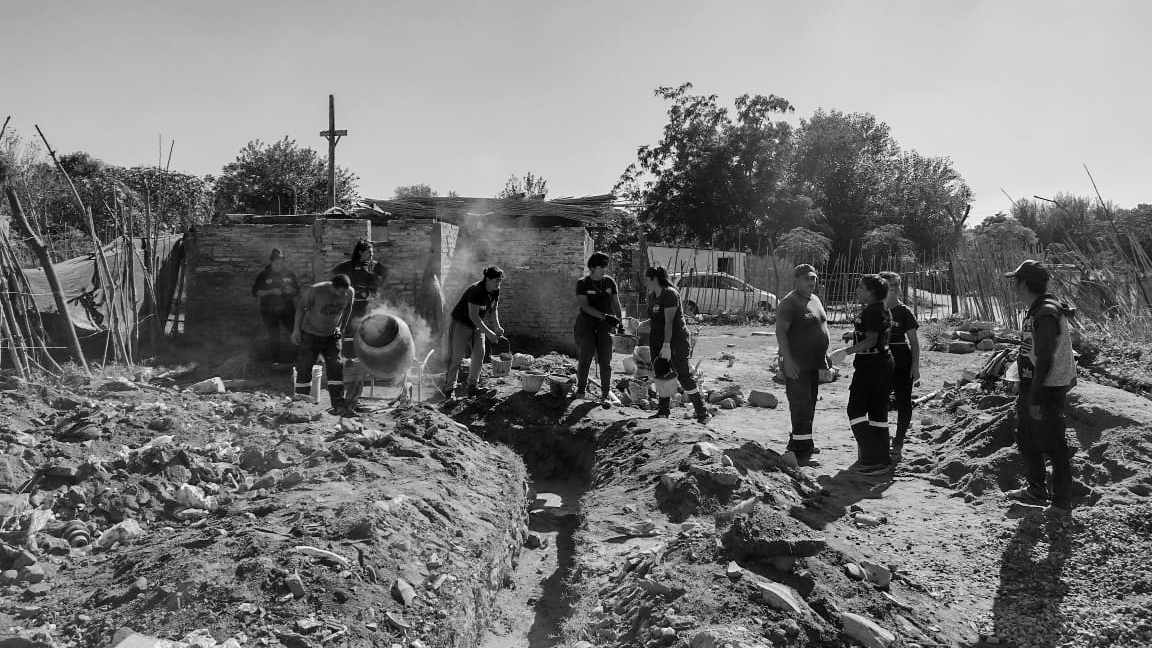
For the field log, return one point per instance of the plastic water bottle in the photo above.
(317, 376)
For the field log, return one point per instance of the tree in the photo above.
(530, 186)
(920, 192)
(415, 191)
(805, 246)
(713, 177)
(1003, 230)
(280, 178)
(885, 242)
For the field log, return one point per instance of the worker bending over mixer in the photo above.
(475, 319)
(321, 315)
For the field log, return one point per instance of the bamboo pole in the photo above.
(36, 244)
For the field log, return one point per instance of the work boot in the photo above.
(1031, 496)
(702, 414)
(605, 401)
(664, 408)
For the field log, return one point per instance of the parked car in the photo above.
(719, 292)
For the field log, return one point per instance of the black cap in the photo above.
(804, 270)
(276, 254)
(1029, 270)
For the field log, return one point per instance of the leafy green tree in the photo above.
(715, 177)
(530, 186)
(415, 191)
(1001, 229)
(885, 242)
(280, 178)
(920, 193)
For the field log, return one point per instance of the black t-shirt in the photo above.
(285, 281)
(365, 280)
(479, 295)
(807, 335)
(599, 293)
(902, 321)
(874, 317)
(657, 306)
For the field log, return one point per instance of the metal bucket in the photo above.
(624, 343)
(531, 383)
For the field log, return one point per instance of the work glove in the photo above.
(612, 321)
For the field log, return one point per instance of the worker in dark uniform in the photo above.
(905, 345)
(475, 320)
(1047, 370)
(367, 277)
(276, 288)
(600, 312)
(802, 336)
(871, 378)
(321, 317)
(669, 340)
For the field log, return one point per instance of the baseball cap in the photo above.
(804, 270)
(1029, 270)
(276, 254)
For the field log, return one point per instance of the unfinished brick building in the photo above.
(543, 246)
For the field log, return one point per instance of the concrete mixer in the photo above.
(384, 347)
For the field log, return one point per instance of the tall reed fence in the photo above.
(1108, 280)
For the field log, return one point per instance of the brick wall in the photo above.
(538, 297)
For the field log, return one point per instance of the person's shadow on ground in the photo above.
(838, 493)
(1026, 609)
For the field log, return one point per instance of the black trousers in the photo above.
(802, 394)
(274, 322)
(868, 407)
(312, 346)
(1042, 438)
(902, 390)
(680, 350)
(594, 339)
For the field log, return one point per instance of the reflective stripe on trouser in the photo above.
(328, 347)
(802, 394)
(868, 410)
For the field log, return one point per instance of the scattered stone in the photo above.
(745, 507)
(781, 597)
(292, 640)
(716, 476)
(121, 532)
(987, 344)
(403, 592)
(252, 458)
(706, 449)
(703, 639)
(757, 398)
(22, 559)
(291, 479)
(961, 346)
(864, 519)
(652, 587)
(878, 574)
(734, 571)
(268, 480)
(295, 585)
(854, 571)
(725, 460)
(119, 384)
(32, 573)
(211, 386)
(746, 538)
(9, 577)
(866, 631)
(534, 541)
(37, 590)
(719, 395)
(728, 403)
(966, 336)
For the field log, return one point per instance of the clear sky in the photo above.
(461, 94)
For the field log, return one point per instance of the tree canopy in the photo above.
(530, 186)
(280, 178)
(415, 191)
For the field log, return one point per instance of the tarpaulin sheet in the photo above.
(87, 302)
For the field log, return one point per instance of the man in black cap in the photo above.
(802, 335)
(276, 288)
(1047, 370)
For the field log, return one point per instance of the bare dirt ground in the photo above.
(633, 532)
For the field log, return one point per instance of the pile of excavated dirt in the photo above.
(1109, 430)
(251, 518)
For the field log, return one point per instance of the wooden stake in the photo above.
(36, 244)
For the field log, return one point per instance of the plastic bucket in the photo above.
(501, 367)
(666, 387)
(624, 343)
(531, 383)
(559, 385)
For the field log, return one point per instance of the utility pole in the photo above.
(333, 136)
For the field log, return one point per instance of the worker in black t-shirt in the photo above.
(475, 320)
(872, 378)
(905, 345)
(276, 288)
(669, 340)
(367, 277)
(599, 316)
(802, 337)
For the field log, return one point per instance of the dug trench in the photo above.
(645, 532)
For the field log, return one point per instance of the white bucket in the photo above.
(666, 387)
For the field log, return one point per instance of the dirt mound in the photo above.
(280, 523)
(687, 542)
(1110, 432)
